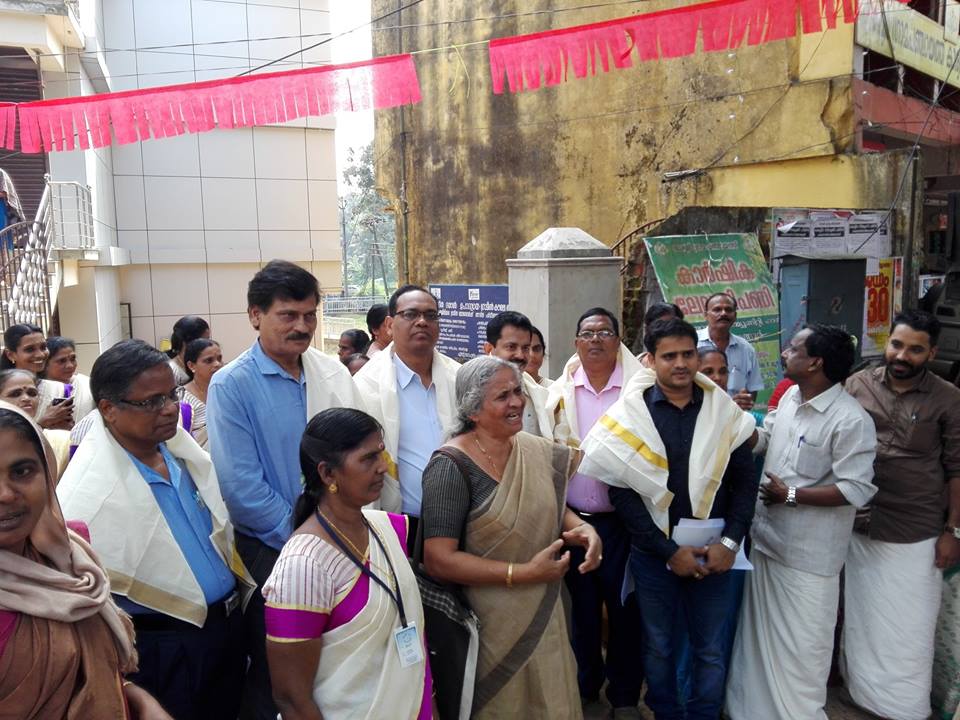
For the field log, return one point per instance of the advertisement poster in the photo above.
(690, 268)
(830, 233)
(927, 282)
(883, 299)
(464, 312)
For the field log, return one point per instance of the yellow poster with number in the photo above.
(883, 298)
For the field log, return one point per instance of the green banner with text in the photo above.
(691, 268)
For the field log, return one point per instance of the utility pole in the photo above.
(342, 204)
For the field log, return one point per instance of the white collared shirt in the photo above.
(827, 440)
(420, 434)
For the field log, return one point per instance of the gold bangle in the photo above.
(127, 682)
(510, 575)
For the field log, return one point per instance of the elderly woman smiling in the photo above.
(502, 491)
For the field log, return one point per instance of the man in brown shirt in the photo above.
(895, 563)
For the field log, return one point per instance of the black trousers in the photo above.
(588, 594)
(195, 673)
(257, 694)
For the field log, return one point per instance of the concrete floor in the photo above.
(837, 709)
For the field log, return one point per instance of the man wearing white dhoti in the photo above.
(820, 447)
(901, 547)
(409, 389)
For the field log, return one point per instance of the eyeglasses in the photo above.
(591, 334)
(155, 403)
(431, 316)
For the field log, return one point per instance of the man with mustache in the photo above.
(409, 389)
(510, 337)
(673, 448)
(591, 382)
(257, 409)
(902, 546)
(820, 446)
(745, 379)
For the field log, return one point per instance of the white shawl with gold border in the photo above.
(624, 449)
(104, 489)
(377, 385)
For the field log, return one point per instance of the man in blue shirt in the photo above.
(151, 500)
(745, 379)
(409, 389)
(257, 409)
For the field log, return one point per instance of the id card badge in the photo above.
(408, 643)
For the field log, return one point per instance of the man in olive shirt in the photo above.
(902, 545)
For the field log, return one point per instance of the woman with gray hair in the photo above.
(495, 522)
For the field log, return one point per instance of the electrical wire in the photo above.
(913, 153)
(388, 28)
(369, 23)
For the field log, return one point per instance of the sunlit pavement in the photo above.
(837, 709)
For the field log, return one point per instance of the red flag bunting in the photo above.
(527, 61)
(85, 122)
(8, 124)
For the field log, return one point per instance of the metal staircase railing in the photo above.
(25, 275)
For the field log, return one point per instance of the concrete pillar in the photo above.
(554, 278)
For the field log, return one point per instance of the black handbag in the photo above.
(452, 632)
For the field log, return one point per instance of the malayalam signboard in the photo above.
(908, 37)
(464, 313)
(883, 299)
(690, 268)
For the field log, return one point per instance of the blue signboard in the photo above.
(464, 312)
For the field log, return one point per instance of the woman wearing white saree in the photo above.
(495, 522)
(343, 614)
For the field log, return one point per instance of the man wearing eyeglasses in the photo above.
(150, 498)
(409, 389)
(591, 382)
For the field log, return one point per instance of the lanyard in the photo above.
(397, 598)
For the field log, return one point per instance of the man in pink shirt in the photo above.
(591, 383)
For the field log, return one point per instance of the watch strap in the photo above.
(730, 544)
(791, 496)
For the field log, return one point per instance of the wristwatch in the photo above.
(791, 500)
(730, 544)
(955, 531)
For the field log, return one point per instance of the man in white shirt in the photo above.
(409, 389)
(745, 380)
(509, 337)
(820, 446)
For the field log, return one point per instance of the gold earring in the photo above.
(333, 488)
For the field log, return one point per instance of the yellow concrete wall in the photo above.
(837, 181)
(484, 174)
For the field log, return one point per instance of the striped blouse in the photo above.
(314, 588)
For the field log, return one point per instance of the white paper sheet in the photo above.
(696, 533)
(706, 532)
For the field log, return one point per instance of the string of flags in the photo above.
(517, 64)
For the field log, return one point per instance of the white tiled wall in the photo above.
(201, 213)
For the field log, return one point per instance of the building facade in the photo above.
(705, 143)
(190, 218)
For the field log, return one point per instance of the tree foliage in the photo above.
(370, 229)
